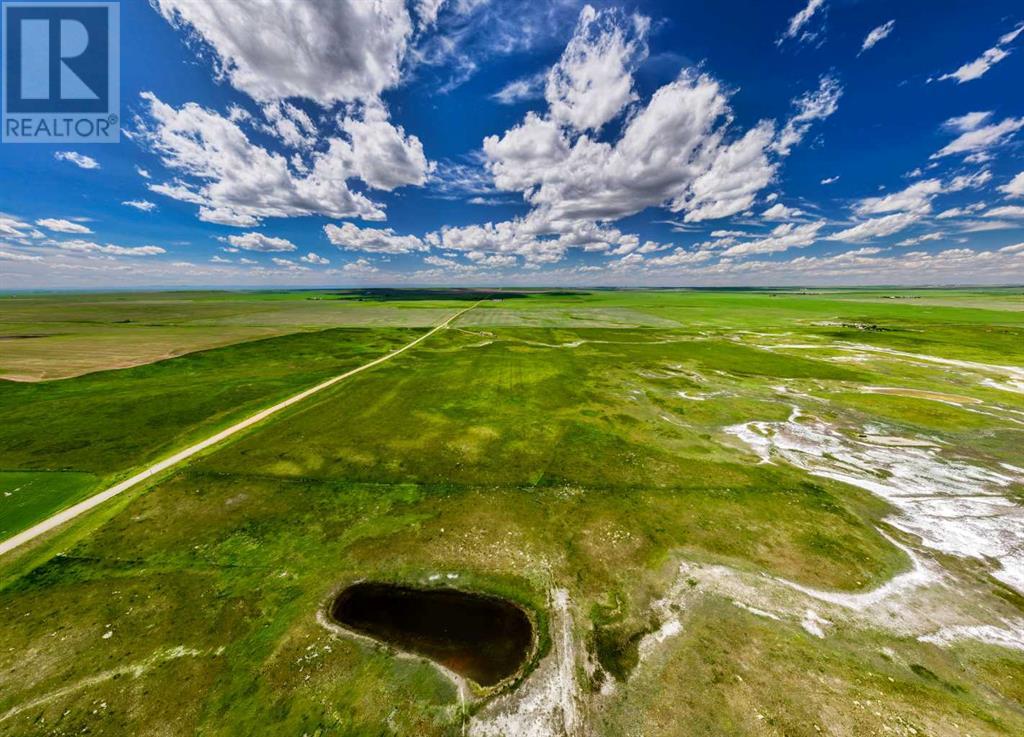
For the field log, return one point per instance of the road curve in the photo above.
(84, 506)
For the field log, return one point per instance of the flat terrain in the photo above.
(49, 336)
(728, 512)
(110, 424)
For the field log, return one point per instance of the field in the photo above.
(48, 337)
(107, 423)
(727, 512)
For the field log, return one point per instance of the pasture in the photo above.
(698, 497)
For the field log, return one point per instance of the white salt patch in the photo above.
(954, 400)
(691, 397)
(757, 612)
(1013, 371)
(700, 397)
(669, 628)
(894, 442)
(1012, 376)
(751, 435)
(894, 607)
(814, 624)
(1010, 385)
(1011, 636)
(546, 705)
(953, 506)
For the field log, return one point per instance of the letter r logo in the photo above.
(61, 69)
(59, 54)
(36, 60)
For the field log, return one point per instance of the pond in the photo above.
(483, 638)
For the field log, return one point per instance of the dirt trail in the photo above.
(134, 670)
(548, 703)
(82, 507)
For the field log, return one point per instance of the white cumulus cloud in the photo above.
(287, 122)
(312, 258)
(593, 81)
(236, 182)
(6, 255)
(524, 88)
(372, 240)
(918, 196)
(324, 50)
(675, 152)
(383, 155)
(778, 211)
(1014, 212)
(359, 267)
(260, 242)
(782, 238)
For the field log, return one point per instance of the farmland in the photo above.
(749, 512)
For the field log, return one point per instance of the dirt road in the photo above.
(82, 507)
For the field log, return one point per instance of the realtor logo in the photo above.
(61, 72)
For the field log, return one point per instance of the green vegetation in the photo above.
(576, 443)
(56, 336)
(431, 295)
(27, 496)
(733, 673)
(109, 423)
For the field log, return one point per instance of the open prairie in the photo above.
(511, 368)
(750, 512)
(59, 336)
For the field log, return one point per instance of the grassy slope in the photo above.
(109, 423)
(732, 673)
(518, 467)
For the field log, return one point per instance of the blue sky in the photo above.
(491, 142)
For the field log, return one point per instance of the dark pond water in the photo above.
(480, 637)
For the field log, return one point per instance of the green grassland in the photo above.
(47, 336)
(29, 496)
(543, 442)
(100, 427)
(732, 673)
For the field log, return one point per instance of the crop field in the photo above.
(725, 512)
(59, 336)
